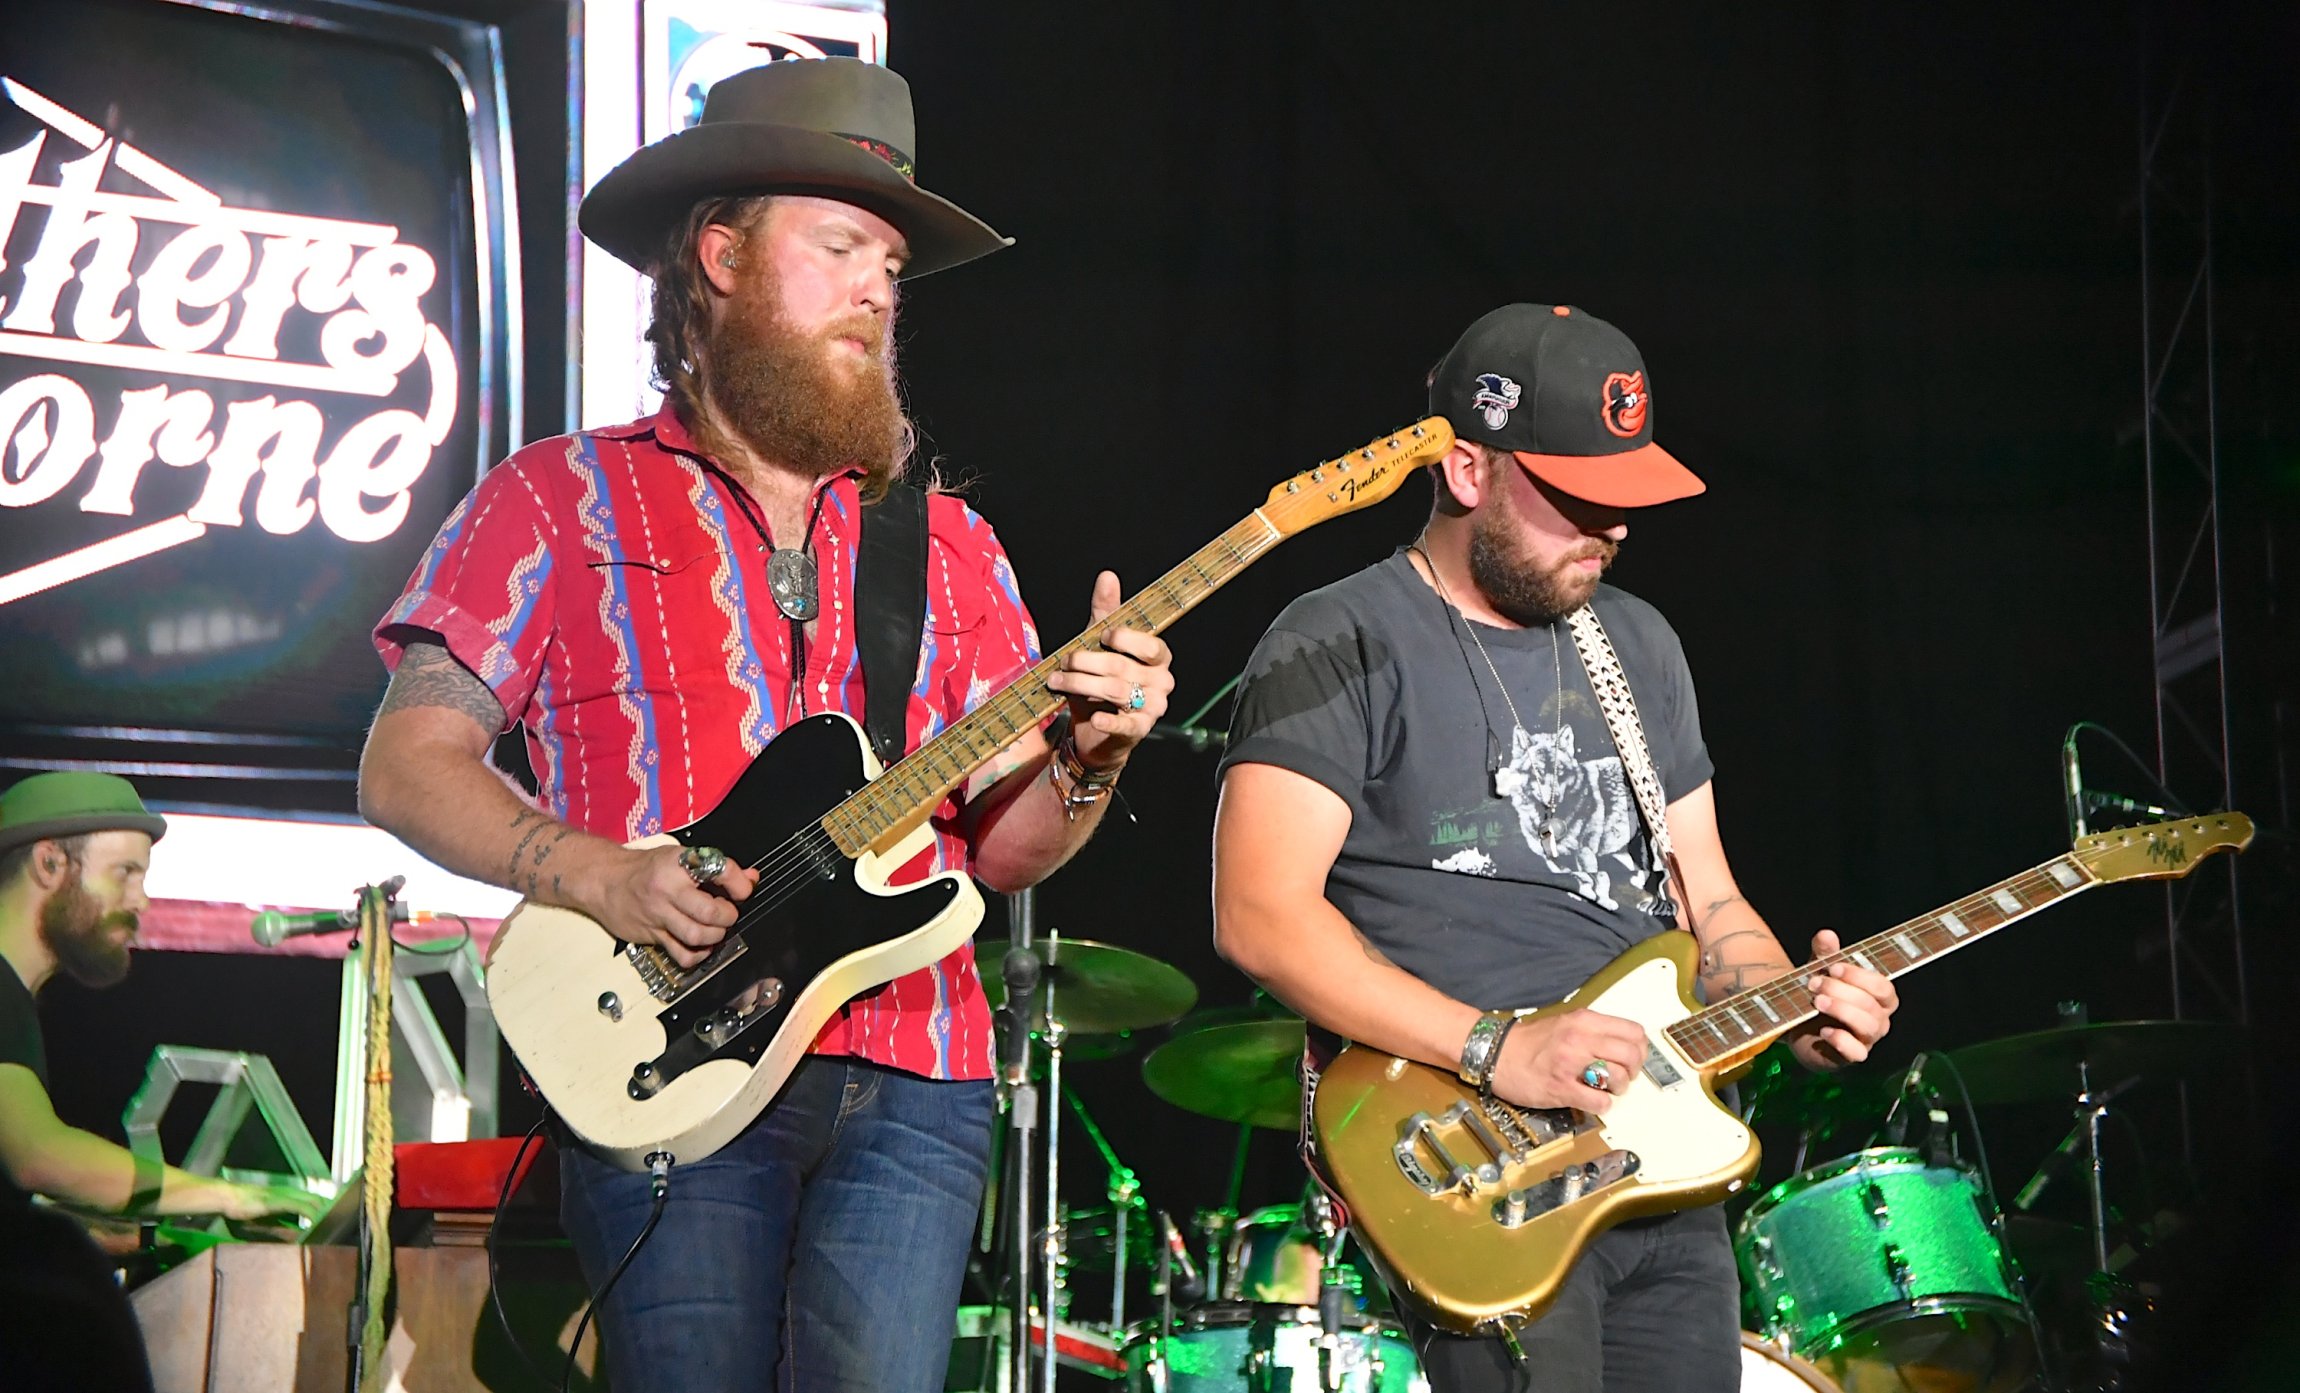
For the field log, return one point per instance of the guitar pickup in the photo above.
(1531, 1202)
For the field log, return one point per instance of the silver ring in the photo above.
(1598, 1076)
(703, 864)
(1137, 698)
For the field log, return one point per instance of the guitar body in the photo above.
(577, 1009)
(1431, 1202)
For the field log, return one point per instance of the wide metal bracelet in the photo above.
(1483, 1047)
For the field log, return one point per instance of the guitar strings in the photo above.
(1786, 990)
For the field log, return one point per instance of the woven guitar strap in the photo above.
(1620, 707)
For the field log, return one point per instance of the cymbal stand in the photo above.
(1055, 1032)
(1121, 1191)
(1021, 972)
(1333, 1290)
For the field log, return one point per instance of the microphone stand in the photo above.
(1020, 971)
(367, 1327)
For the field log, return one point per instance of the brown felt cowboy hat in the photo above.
(836, 127)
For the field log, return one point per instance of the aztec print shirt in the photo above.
(607, 588)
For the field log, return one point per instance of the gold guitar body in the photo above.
(1430, 1170)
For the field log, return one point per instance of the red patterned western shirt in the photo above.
(607, 588)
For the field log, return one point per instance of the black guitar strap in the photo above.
(890, 613)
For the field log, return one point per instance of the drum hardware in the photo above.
(1062, 987)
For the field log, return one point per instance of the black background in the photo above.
(1883, 263)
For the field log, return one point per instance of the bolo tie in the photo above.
(792, 577)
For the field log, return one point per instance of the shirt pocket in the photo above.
(674, 608)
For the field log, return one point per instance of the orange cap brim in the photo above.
(1635, 478)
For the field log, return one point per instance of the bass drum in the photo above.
(1885, 1272)
(1767, 1368)
(1250, 1347)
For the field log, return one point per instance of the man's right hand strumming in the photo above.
(1543, 1060)
(648, 897)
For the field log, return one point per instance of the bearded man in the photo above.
(1425, 825)
(73, 851)
(651, 603)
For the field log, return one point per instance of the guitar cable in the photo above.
(659, 1170)
(495, 1267)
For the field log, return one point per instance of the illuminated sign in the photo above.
(278, 461)
(259, 332)
(646, 65)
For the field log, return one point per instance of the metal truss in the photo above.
(2203, 940)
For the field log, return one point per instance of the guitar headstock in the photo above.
(2161, 850)
(1356, 480)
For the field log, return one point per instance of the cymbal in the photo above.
(1242, 1071)
(1099, 988)
(2042, 1066)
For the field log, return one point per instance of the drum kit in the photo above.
(1889, 1269)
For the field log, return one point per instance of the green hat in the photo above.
(68, 804)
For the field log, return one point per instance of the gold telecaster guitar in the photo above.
(638, 1055)
(1479, 1209)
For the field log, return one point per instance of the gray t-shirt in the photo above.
(1504, 872)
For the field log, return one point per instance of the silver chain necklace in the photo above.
(1551, 830)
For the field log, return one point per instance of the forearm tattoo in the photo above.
(1718, 975)
(428, 675)
(543, 835)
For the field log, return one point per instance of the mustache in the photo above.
(867, 328)
(1599, 549)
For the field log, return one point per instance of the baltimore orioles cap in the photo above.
(1566, 393)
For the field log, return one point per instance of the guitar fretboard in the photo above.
(922, 779)
(1751, 1019)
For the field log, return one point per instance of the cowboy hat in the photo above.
(836, 127)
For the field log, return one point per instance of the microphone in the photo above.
(1191, 1286)
(2072, 785)
(1896, 1128)
(2113, 803)
(2051, 1167)
(271, 928)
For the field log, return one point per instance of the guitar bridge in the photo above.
(1530, 1202)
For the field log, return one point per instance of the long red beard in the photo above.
(786, 395)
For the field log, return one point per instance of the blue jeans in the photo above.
(821, 1249)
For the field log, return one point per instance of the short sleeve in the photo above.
(1303, 705)
(1679, 750)
(485, 588)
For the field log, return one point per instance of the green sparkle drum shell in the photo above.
(1255, 1347)
(1879, 1259)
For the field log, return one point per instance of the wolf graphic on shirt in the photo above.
(1577, 816)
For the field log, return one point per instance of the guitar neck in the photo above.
(921, 780)
(1746, 1022)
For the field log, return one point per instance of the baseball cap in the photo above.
(1567, 394)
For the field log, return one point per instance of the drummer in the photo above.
(1425, 824)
